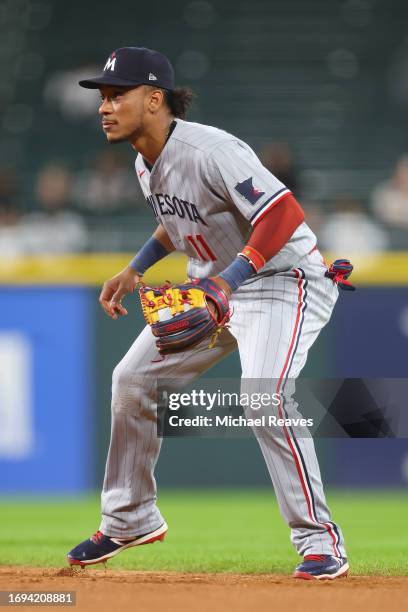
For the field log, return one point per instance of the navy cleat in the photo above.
(322, 567)
(99, 548)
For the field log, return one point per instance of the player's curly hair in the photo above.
(179, 101)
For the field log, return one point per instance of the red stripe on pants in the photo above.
(287, 436)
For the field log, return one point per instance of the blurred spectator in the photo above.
(108, 186)
(54, 227)
(390, 198)
(8, 186)
(314, 215)
(349, 229)
(11, 236)
(277, 157)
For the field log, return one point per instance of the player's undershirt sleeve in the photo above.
(237, 174)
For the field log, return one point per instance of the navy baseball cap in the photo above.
(130, 66)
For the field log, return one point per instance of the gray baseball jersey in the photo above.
(208, 189)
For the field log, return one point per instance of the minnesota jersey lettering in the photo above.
(163, 204)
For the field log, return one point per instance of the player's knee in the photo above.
(120, 378)
(124, 400)
(128, 382)
(132, 396)
(123, 376)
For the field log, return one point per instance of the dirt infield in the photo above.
(164, 591)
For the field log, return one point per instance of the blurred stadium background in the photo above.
(319, 89)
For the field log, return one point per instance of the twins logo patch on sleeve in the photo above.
(248, 191)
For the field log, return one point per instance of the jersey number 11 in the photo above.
(201, 247)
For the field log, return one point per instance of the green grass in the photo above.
(211, 531)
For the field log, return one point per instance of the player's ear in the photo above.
(155, 99)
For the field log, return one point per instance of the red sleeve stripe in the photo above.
(269, 204)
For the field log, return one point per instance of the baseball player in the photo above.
(243, 229)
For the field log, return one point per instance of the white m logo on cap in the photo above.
(110, 64)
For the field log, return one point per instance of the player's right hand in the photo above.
(115, 289)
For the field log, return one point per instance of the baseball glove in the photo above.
(182, 315)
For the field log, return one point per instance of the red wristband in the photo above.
(253, 257)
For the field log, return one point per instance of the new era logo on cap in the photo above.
(250, 193)
(152, 77)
